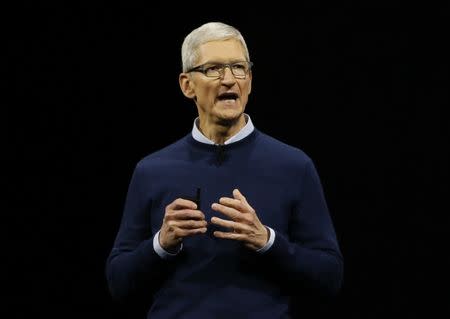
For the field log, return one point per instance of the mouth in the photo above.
(228, 96)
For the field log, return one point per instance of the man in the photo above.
(227, 222)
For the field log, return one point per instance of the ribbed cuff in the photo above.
(164, 254)
(269, 242)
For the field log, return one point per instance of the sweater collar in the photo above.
(244, 132)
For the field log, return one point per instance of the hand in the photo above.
(181, 219)
(244, 224)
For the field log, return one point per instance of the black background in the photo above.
(362, 90)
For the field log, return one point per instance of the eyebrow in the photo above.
(230, 62)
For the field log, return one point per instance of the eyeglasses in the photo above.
(217, 70)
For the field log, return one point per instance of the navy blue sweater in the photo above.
(217, 278)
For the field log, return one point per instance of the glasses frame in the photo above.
(201, 68)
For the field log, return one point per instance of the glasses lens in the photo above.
(214, 70)
(240, 69)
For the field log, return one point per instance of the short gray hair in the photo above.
(211, 31)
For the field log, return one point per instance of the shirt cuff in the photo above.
(161, 251)
(269, 244)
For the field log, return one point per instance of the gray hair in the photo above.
(211, 31)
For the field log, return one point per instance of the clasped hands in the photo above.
(182, 219)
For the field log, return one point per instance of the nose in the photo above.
(228, 76)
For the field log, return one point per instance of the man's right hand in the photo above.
(181, 219)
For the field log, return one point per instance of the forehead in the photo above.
(221, 51)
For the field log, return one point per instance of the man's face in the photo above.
(220, 99)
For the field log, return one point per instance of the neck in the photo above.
(220, 131)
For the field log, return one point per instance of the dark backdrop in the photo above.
(362, 90)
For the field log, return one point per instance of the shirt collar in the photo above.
(244, 132)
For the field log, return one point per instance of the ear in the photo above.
(250, 82)
(187, 85)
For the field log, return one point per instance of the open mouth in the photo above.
(228, 96)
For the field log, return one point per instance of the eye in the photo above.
(239, 66)
(213, 68)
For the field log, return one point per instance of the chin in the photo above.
(228, 118)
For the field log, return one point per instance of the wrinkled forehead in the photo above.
(221, 51)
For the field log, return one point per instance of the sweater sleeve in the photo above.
(309, 256)
(133, 265)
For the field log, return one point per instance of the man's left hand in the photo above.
(244, 225)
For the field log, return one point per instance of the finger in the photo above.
(238, 195)
(232, 202)
(180, 232)
(228, 235)
(186, 214)
(228, 211)
(233, 226)
(180, 203)
(188, 224)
